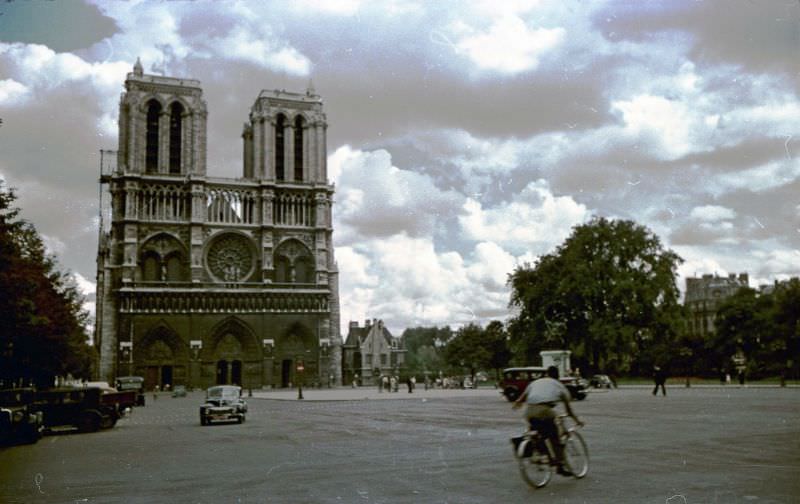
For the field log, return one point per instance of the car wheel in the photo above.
(580, 396)
(240, 419)
(108, 421)
(89, 421)
(511, 393)
(203, 420)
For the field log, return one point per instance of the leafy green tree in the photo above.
(476, 348)
(786, 323)
(497, 340)
(741, 323)
(608, 294)
(42, 324)
(763, 326)
(422, 346)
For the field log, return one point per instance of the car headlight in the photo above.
(19, 415)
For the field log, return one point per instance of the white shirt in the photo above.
(546, 390)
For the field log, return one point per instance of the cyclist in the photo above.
(541, 397)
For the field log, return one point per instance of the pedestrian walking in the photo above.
(660, 378)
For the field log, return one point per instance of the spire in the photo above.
(137, 68)
(310, 91)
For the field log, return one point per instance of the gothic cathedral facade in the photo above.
(204, 280)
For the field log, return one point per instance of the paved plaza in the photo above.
(710, 445)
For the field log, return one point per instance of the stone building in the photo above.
(370, 351)
(204, 280)
(704, 295)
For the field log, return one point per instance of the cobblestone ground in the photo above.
(698, 445)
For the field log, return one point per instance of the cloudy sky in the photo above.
(464, 137)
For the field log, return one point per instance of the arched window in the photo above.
(174, 268)
(151, 148)
(279, 155)
(175, 123)
(150, 268)
(282, 270)
(304, 271)
(298, 149)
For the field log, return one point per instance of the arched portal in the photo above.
(297, 344)
(161, 358)
(233, 355)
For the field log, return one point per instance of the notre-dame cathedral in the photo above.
(204, 280)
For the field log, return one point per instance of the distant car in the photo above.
(601, 381)
(132, 383)
(224, 403)
(19, 419)
(179, 391)
(516, 380)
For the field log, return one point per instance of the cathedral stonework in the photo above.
(204, 280)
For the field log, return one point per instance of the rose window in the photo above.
(230, 258)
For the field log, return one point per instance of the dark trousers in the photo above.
(663, 388)
(548, 430)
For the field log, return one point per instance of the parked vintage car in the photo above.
(516, 379)
(179, 391)
(20, 421)
(135, 383)
(87, 408)
(601, 381)
(223, 404)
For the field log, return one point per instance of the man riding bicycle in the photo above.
(542, 396)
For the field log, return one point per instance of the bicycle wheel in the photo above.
(576, 454)
(536, 469)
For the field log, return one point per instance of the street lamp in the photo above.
(300, 368)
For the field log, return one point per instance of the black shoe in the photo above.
(563, 471)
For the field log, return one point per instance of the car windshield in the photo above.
(223, 393)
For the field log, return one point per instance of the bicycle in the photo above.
(536, 458)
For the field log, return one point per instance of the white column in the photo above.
(306, 153)
(186, 128)
(256, 151)
(320, 148)
(163, 142)
(311, 159)
(288, 149)
(133, 115)
(269, 150)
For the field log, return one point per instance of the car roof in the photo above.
(230, 387)
(526, 368)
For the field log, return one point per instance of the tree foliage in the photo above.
(422, 345)
(474, 348)
(608, 294)
(763, 326)
(42, 324)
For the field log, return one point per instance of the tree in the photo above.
(497, 339)
(608, 294)
(42, 324)
(474, 348)
(468, 349)
(786, 323)
(763, 326)
(422, 346)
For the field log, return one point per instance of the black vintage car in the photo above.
(223, 404)
(516, 379)
(87, 408)
(20, 421)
